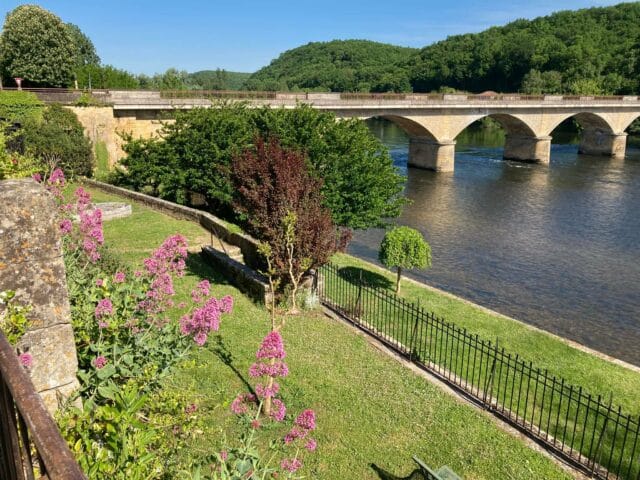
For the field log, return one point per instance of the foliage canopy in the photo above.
(404, 248)
(338, 66)
(37, 46)
(361, 186)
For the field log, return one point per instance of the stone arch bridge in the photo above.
(432, 121)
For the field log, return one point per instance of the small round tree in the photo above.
(404, 247)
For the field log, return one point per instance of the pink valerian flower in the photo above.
(119, 277)
(37, 177)
(255, 424)
(26, 359)
(54, 184)
(277, 369)
(271, 347)
(65, 226)
(240, 404)
(83, 199)
(224, 455)
(304, 423)
(306, 420)
(99, 282)
(104, 307)
(311, 445)
(166, 260)
(265, 391)
(278, 410)
(191, 408)
(291, 465)
(205, 319)
(201, 291)
(102, 325)
(99, 362)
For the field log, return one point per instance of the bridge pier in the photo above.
(431, 155)
(527, 149)
(597, 142)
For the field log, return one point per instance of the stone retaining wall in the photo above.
(247, 244)
(32, 265)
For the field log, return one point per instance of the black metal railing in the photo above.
(30, 443)
(588, 431)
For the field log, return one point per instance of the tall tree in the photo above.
(36, 45)
(283, 203)
(86, 51)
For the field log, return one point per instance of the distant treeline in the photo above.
(107, 76)
(589, 51)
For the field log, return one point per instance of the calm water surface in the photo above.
(557, 247)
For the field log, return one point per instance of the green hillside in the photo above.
(339, 65)
(586, 51)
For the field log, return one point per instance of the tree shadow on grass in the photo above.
(220, 349)
(371, 279)
(384, 475)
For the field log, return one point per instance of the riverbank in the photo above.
(595, 372)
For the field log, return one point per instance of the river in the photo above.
(555, 246)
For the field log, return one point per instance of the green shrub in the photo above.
(59, 140)
(361, 186)
(19, 106)
(404, 247)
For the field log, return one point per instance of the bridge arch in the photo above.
(411, 127)
(512, 124)
(599, 135)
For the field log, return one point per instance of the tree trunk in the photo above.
(398, 280)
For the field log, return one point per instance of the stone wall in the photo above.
(31, 264)
(104, 124)
(247, 244)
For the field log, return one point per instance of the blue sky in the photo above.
(147, 36)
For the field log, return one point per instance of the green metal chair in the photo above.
(443, 473)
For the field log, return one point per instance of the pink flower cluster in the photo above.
(205, 319)
(104, 308)
(99, 362)
(55, 183)
(26, 359)
(91, 231)
(303, 425)
(166, 260)
(270, 365)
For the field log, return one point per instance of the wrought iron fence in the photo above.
(30, 443)
(588, 431)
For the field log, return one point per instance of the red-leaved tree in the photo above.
(283, 205)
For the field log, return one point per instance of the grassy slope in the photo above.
(370, 409)
(545, 351)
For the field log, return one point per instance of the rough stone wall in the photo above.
(31, 264)
(104, 124)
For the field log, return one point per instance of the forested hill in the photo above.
(339, 65)
(589, 51)
(593, 51)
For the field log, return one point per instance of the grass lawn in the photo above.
(371, 410)
(596, 375)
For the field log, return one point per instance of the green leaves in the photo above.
(36, 45)
(404, 247)
(361, 187)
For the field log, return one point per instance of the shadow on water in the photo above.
(384, 475)
(355, 275)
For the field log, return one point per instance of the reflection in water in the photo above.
(556, 246)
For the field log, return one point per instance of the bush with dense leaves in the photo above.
(58, 140)
(361, 186)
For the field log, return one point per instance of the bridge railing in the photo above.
(30, 443)
(182, 97)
